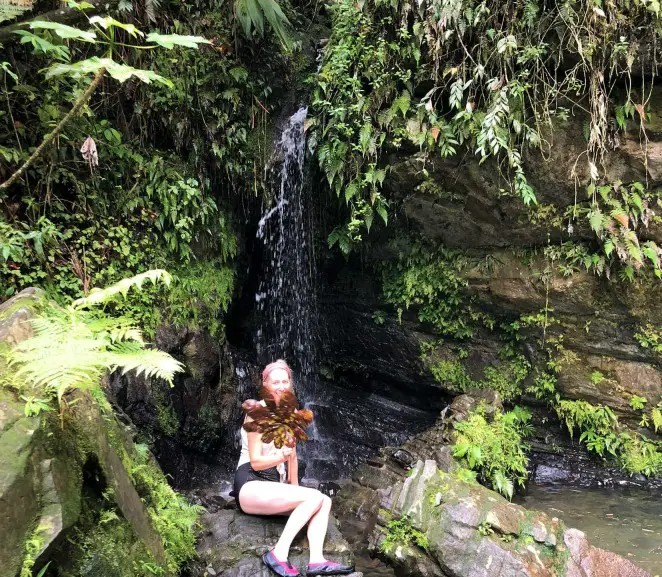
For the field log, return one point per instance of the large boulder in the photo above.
(430, 522)
(54, 469)
(232, 543)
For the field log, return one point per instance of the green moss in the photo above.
(506, 378)
(204, 433)
(31, 549)
(400, 532)
(104, 545)
(165, 412)
(174, 519)
(14, 443)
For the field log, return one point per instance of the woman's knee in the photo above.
(326, 502)
(316, 499)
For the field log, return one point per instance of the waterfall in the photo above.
(285, 298)
(287, 324)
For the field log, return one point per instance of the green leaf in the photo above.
(381, 211)
(6, 66)
(120, 72)
(351, 190)
(169, 41)
(64, 31)
(595, 219)
(79, 5)
(250, 16)
(108, 22)
(41, 45)
(656, 415)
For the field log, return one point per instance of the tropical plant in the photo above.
(73, 347)
(106, 33)
(495, 450)
(252, 14)
(400, 532)
(479, 77)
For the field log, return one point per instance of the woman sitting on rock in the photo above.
(260, 488)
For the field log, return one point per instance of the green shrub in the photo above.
(496, 450)
(431, 281)
(640, 456)
(505, 378)
(602, 434)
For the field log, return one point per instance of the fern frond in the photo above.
(74, 348)
(656, 415)
(130, 356)
(100, 296)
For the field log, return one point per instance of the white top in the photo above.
(268, 449)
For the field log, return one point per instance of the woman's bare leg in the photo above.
(267, 498)
(317, 528)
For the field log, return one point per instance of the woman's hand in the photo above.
(286, 452)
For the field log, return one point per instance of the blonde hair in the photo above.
(278, 364)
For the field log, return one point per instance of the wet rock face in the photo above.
(193, 426)
(352, 425)
(457, 529)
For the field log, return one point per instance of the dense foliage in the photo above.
(143, 175)
(446, 77)
(495, 449)
(73, 348)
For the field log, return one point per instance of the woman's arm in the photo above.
(260, 462)
(293, 468)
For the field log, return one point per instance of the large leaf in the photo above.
(171, 40)
(252, 13)
(120, 72)
(64, 31)
(41, 45)
(249, 15)
(108, 22)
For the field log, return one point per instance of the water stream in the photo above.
(285, 300)
(625, 521)
(350, 424)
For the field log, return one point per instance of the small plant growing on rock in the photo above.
(496, 450)
(400, 532)
(485, 529)
(638, 403)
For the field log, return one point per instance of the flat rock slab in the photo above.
(233, 543)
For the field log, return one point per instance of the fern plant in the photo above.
(73, 348)
(252, 14)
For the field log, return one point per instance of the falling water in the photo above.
(285, 298)
(287, 322)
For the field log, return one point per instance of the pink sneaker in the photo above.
(281, 568)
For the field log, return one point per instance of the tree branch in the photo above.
(51, 136)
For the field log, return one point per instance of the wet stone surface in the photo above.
(233, 543)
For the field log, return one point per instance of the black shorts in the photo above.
(245, 473)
